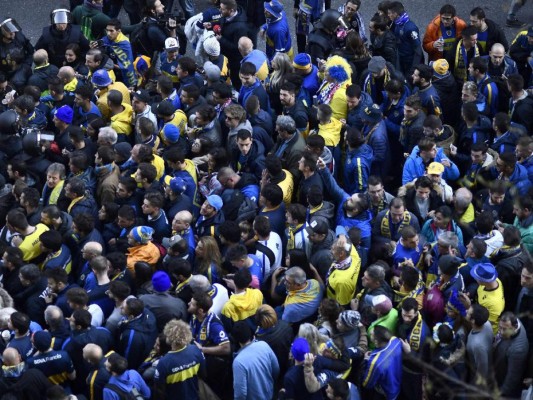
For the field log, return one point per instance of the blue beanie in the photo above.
(161, 281)
(171, 133)
(142, 234)
(65, 114)
(299, 348)
(302, 61)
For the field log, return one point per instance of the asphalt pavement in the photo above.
(33, 15)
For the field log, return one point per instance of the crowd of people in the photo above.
(346, 217)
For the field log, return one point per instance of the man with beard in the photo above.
(412, 330)
(428, 94)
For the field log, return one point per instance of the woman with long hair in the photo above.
(281, 66)
(216, 158)
(74, 59)
(208, 259)
(357, 54)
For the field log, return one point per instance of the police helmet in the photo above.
(10, 25)
(60, 16)
(330, 19)
(9, 124)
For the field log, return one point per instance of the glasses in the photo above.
(446, 18)
(230, 118)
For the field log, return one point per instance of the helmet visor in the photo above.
(61, 16)
(10, 26)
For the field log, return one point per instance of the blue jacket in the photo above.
(258, 90)
(393, 113)
(414, 167)
(362, 221)
(383, 370)
(528, 165)
(311, 83)
(429, 231)
(357, 169)
(430, 100)
(354, 115)
(137, 337)
(278, 37)
(255, 372)
(489, 89)
(509, 67)
(505, 143)
(378, 141)
(519, 178)
(127, 381)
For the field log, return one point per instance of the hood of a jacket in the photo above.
(326, 243)
(144, 324)
(364, 151)
(246, 180)
(123, 381)
(248, 301)
(326, 155)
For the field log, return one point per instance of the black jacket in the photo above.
(522, 113)
(385, 46)
(30, 302)
(410, 203)
(55, 42)
(509, 267)
(495, 35)
(291, 155)
(450, 99)
(320, 44)
(137, 337)
(279, 338)
(255, 160)
(231, 32)
(41, 76)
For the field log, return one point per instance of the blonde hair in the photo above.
(310, 333)
(212, 255)
(178, 333)
(284, 67)
(266, 317)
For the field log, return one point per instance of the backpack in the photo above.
(504, 95)
(133, 395)
(86, 27)
(434, 305)
(139, 37)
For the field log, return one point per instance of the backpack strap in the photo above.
(267, 251)
(114, 388)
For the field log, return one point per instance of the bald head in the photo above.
(245, 46)
(497, 54)
(66, 74)
(11, 357)
(93, 249)
(92, 353)
(184, 216)
(40, 57)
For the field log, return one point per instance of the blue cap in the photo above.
(142, 234)
(215, 201)
(299, 348)
(65, 114)
(177, 185)
(171, 133)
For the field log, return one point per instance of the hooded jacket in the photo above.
(241, 307)
(434, 32)
(258, 90)
(92, 21)
(357, 168)
(137, 337)
(86, 204)
(121, 122)
(128, 381)
(41, 75)
(253, 162)
(354, 115)
(321, 256)
(414, 167)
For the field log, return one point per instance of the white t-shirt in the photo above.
(220, 297)
(274, 244)
(97, 314)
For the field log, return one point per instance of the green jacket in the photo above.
(388, 321)
(92, 22)
(526, 231)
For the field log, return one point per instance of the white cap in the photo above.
(171, 44)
